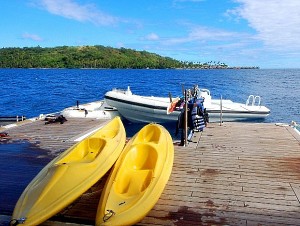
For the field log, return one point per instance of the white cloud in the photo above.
(72, 10)
(152, 37)
(277, 22)
(32, 37)
(205, 34)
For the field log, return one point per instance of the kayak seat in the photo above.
(151, 134)
(137, 170)
(133, 182)
(141, 157)
(95, 146)
(110, 133)
(84, 152)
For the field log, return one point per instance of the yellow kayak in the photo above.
(70, 174)
(138, 177)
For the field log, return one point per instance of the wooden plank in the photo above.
(234, 174)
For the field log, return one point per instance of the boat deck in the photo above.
(234, 174)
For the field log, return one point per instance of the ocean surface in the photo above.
(31, 92)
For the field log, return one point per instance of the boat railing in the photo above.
(119, 90)
(125, 91)
(253, 101)
(12, 118)
(205, 91)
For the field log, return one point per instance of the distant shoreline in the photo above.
(98, 57)
(224, 68)
(186, 68)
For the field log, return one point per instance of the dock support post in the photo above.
(185, 118)
(221, 111)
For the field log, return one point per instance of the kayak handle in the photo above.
(108, 215)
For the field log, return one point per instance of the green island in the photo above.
(96, 57)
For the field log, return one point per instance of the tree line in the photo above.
(91, 57)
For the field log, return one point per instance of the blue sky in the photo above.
(262, 33)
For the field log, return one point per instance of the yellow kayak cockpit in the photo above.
(85, 152)
(137, 170)
(149, 134)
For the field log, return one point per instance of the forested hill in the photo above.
(83, 57)
(93, 57)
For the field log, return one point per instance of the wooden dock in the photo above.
(234, 174)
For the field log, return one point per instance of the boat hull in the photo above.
(70, 174)
(138, 177)
(97, 109)
(143, 109)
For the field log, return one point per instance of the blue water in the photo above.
(31, 92)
